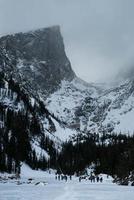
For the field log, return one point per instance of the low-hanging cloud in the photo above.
(98, 34)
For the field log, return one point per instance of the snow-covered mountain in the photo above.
(92, 107)
(32, 66)
(37, 61)
(38, 84)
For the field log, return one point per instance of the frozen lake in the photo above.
(72, 190)
(61, 190)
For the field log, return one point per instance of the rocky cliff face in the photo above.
(37, 56)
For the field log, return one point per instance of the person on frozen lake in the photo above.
(79, 179)
(97, 179)
(101, 179)
(66, 178)
(59, 177)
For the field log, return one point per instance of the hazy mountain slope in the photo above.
(93, 108)
(121, 109)
(65, 101)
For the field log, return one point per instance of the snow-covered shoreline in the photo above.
(51, 189)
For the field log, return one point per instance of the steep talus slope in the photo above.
(119, 115)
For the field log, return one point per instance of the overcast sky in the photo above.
(98, 34)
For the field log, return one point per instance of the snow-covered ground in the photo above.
(64, 101)
(51, 189)
(94, 107)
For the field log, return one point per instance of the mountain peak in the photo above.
(55, 28)
(39, 56)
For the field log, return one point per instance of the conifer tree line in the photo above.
(111, 154)
(18, 127)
